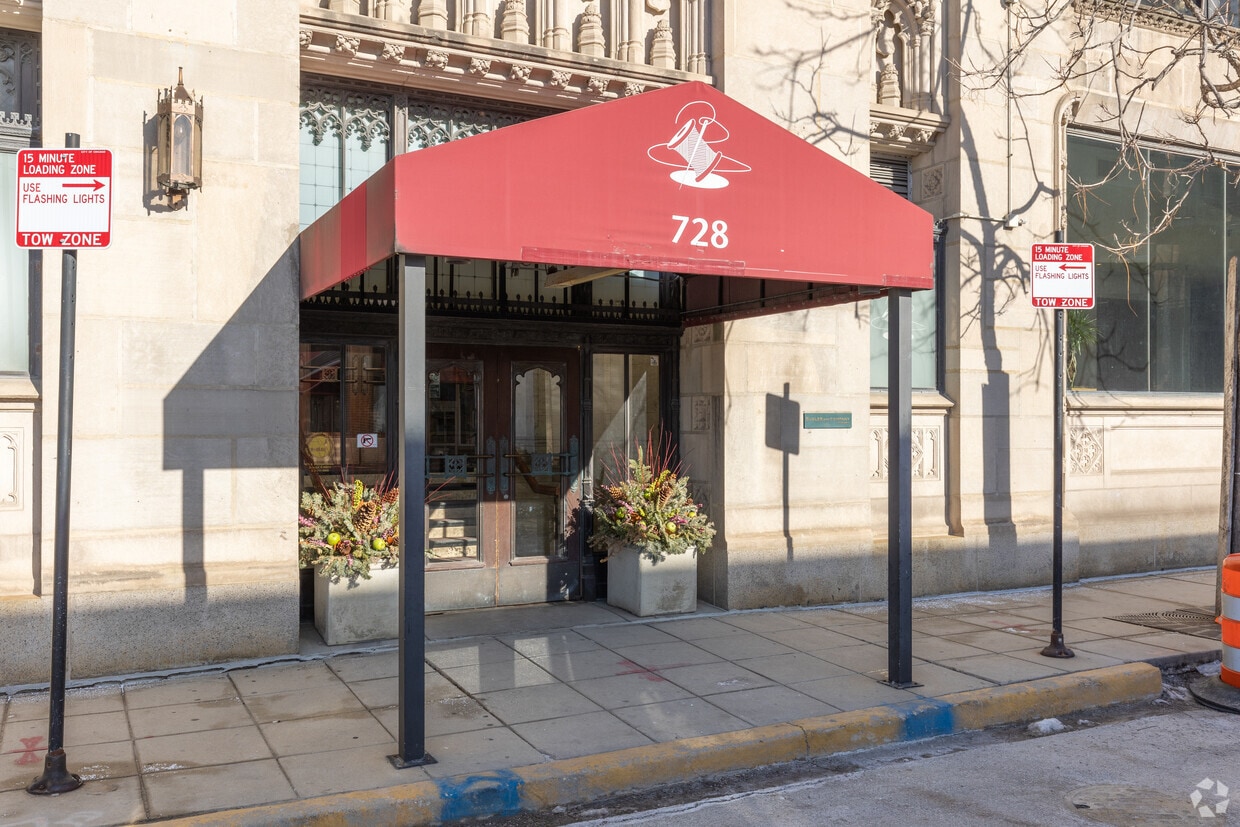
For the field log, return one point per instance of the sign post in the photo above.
(1062, 277)
(64, 201)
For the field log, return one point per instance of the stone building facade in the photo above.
(194, 423)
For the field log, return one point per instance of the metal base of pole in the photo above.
(901, 684)
(401, 764)
(56, 778)
(1056, 649)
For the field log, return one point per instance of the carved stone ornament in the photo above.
(479, 66)
(347, 45)
(519, 72)
(906, 132)
(598, 85)
(631, 89)
(658, 6)
(1085, 451)
(394, 52)
(560, 79)
(304, 37)
(436, 59)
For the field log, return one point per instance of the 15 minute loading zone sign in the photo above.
(64, 198)
(1062, 276)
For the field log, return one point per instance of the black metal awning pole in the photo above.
(1056, 648)
(56, 777)
(899, 489)
(411, 737)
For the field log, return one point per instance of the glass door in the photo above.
(503, 476)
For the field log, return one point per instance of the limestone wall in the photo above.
(184, 454)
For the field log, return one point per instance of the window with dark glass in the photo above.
(1163, 228)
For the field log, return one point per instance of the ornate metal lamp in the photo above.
(179, 141)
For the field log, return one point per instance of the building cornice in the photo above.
(402, 54)
(898, 131)
(24, 15)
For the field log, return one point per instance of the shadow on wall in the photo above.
(783, 434)
(236, 408)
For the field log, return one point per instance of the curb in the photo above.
(588, 778)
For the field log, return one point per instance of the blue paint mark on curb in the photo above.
(926, 718)
(473, 796)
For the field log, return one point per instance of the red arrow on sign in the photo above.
(1072, 267)
(98, 185)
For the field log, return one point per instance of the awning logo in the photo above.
(1209, 798)
(692, 149)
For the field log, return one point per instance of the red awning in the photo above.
(682, 179)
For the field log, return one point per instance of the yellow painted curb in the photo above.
(589, 778)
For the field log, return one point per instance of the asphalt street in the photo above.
(1141, 771)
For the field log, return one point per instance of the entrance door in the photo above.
(503, 476)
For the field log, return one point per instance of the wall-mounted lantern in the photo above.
(179, 141)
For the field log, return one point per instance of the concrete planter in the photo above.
(347, 612)
(645, 588)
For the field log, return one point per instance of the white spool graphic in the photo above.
(699, 164)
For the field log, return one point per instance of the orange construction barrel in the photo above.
(1230, 620)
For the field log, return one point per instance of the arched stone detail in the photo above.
(903, 38)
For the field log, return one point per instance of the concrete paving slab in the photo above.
(496, 675)
(698, 628)
(359, 768)
(110, 801)
(1005, 669)
(849, 692)
(762, 622)
(536, 703)
(632, 689)
(1082, 658)
(349, 729)
(550, 643)
(996, 641)
(485, 750)
(282, 677)
(380, 692)
(80, 730)
(635, 634)
(151, 721)
(181, 792)
(773, 704)
(1177, 642)
(830, 618)
(92, 762)
(793, 668)
(577, 735)
(809, 639)
(686, 718)
(577, 666)
(746, 645)
(329, 699)
(179, 690)
(706, 679)
(666, 655)
(1127, 649)
(366, 667)
(27, 706)
(863, 657)
(444, 716)
(469, 653)
(938, 680)
(233, 745)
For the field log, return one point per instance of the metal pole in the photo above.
(899, 489)
(56, 777)
(411, 736)
(1056, 648)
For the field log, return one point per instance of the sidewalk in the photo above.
(575, 691)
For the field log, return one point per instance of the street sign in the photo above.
(1062, 276)
(64, 198)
